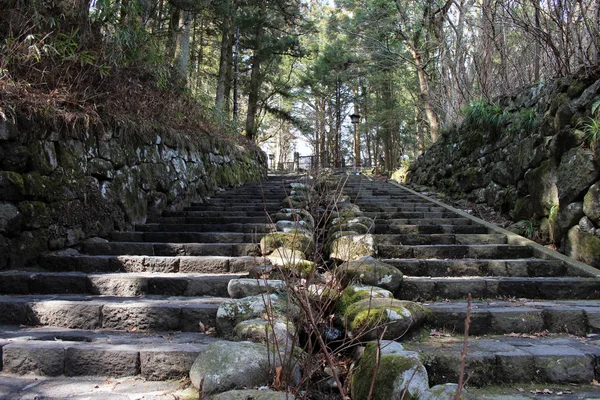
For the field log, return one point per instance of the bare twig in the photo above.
(463, 355)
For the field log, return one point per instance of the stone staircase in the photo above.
(535, 315)
(141, 303)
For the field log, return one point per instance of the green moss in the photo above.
(390, 367)
(16, 179)
(292, 241)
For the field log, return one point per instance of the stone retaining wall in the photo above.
(61, 186)
(535, 166)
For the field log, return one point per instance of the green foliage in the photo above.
(485, 117)
(590, 129)
(527, 120)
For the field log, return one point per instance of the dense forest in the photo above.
(275, 69)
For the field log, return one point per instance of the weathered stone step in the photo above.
(420, 221)
(116, 284)
(382, 228)
(514, 268)
(208, 220)
(150, 313)
(410, 215)
(214, 213)
(576, 317)
(403, 208)
(185, 264)
(511, 359)
(434, 239)
(231, 227)
(395, 202)
(455, 251)
(245, 207)
(187, 237)
(171, 249)
(431, 288)
(53, 351)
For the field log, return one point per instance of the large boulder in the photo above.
(352, 247)
(369, 271)
(368, 319)
(541, 182)
(400, 373)
(578, 169)
(225, 365)
(591, 203)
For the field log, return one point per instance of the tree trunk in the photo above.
(225, 60)
(425, 97)
(254, 89)
(182, 51)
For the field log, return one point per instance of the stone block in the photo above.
(163, 363)
(141, 316)
(517, 320)
(565, 320)
(33, 357)
(515, 366)
(68, 314)
(111, 285)
(561, 364)
(96, 359)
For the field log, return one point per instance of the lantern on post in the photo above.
(355, 118)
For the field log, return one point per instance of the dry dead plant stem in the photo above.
(463, 354)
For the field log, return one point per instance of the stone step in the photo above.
(116, 284)
(214, 213)
(418, 221)
(434, 239)
(410, 215)
(149, 313)
(214, 204)
(231, 227)
(154, 264)
(382, 228)
(208, 220)
(171, 249)
(576, 317)
(54, 351)
(553, 288)
(513, 268)
(187, 237)
(404, 208)
(245, 207)
(376, 201)
(455, 251)
(493, 360)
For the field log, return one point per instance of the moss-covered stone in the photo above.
(591, 203)
(367, 318)
(542, 185)
(400, 374)
(353, 294)
(583, 246)
(35, 214)
(234, 311)
(251, 394)
(295, 241)
(259, 330)
(12, 186)
(350, 248)
(369, 271)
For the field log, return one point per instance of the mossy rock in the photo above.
(259, 330)
(369, 271)
(295, 241)
(400, 373)
(353, 294)
(35, 214)
(353, 247)
(295, 215)
(12, 186)
(232, 312)
(583, 246)
(367, 318)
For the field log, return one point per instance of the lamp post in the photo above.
(272, 158)
(355, 118)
